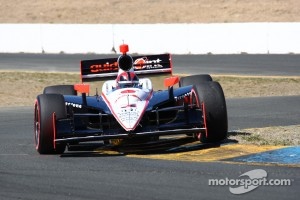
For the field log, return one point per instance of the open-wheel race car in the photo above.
(128, 108)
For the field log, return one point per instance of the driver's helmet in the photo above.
(127, 79)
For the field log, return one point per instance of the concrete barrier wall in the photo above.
(223, 38)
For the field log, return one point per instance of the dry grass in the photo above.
(278, 136)
(245, 86)
(21, 88)
(148, 11)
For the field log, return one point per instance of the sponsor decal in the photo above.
(144, 63)
(129, 114)
(128, 91)
(182, 96)
(75, 105)
(107, 67)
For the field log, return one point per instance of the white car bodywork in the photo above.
(127, 104)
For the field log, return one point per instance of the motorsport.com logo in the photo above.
(249, 181)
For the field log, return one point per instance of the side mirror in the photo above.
(82, 88)
(168, 82)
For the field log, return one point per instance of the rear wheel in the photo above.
(60, 89)
(48, 107)
(194, 79)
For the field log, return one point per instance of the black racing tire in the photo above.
(44, 127)
(60, 89)
(194, 79)
(211, 95)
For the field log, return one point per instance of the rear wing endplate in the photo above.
(107, 68)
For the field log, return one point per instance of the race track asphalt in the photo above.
(246, 64)
(24, 174)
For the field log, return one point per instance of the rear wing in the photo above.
(107, 68)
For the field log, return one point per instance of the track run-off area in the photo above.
(170, 169)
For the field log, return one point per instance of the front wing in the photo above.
(129, 135)
(188, 119)
(66, 133)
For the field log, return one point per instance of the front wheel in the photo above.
(60, 89)
(48, 108)
(212, 100)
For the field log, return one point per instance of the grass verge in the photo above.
(20, 88)
(277, 136)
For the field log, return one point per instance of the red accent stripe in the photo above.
(130, 95)
(37, 142)
(204, 118)
(54, 129)
(128, 91)
(203, 112)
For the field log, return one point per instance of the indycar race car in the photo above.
(128, 108)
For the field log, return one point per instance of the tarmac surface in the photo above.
(178, 170)
(242, 64)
